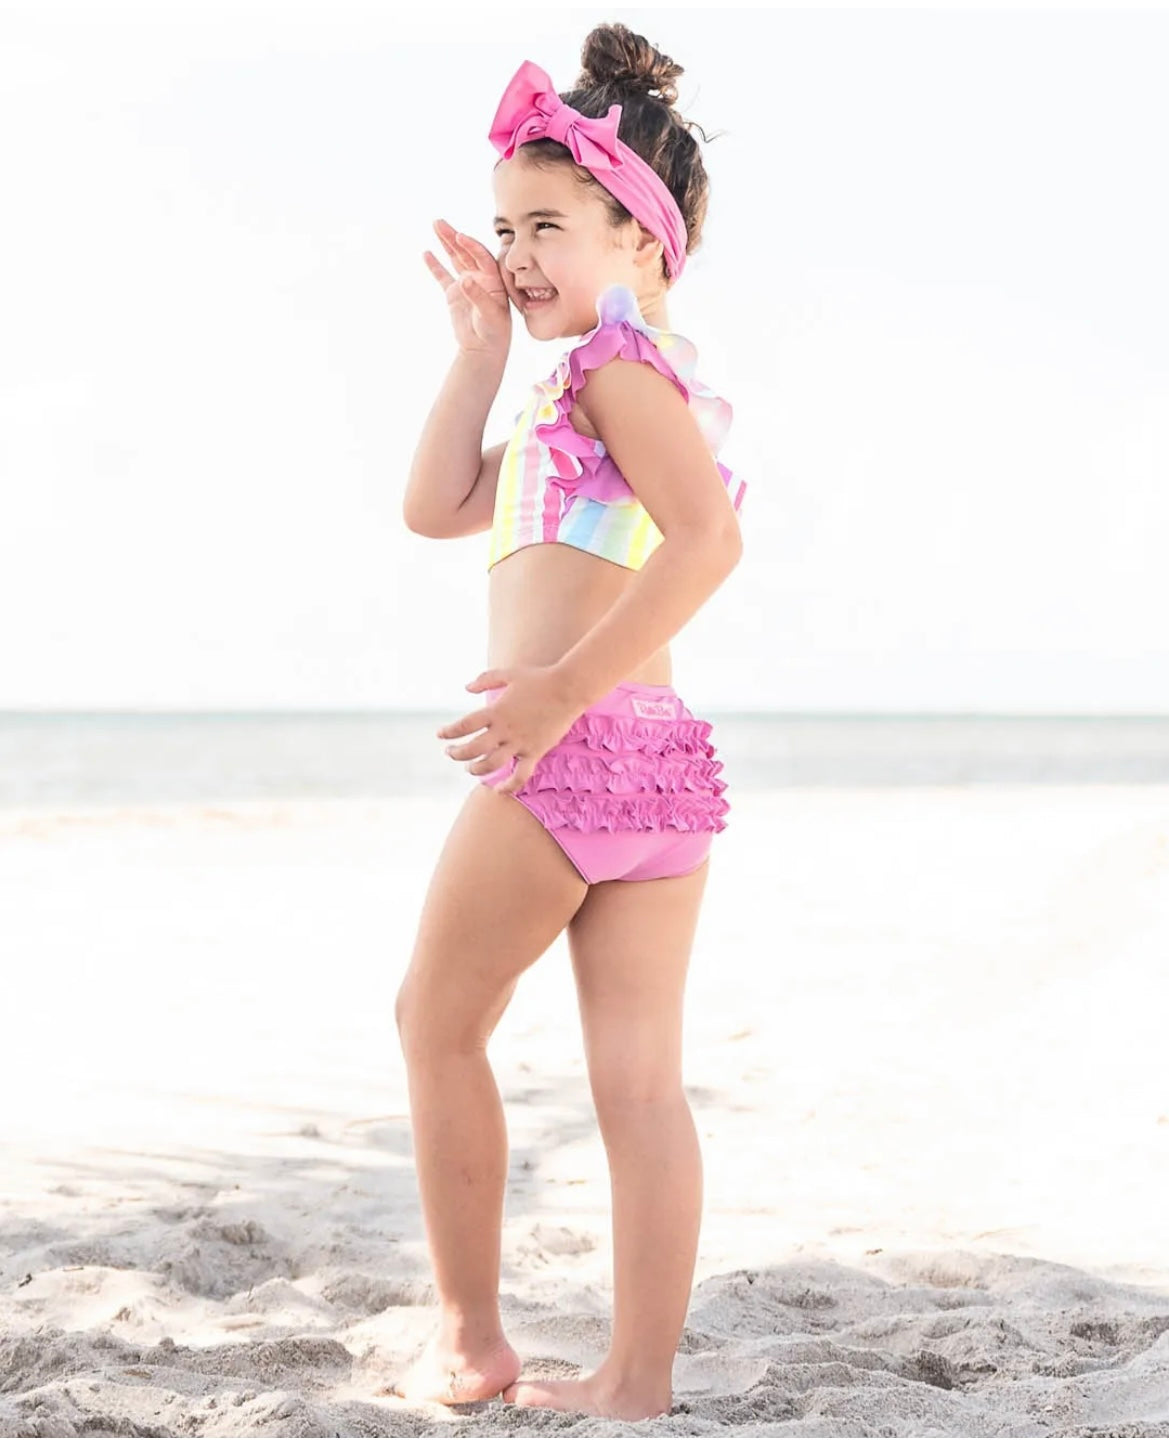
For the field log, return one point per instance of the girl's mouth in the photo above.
(537, 299)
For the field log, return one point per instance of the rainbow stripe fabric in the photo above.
(556, 484)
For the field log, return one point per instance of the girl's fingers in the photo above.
(467, 253)
(475, 254)
(471, 275)
(486, 262)
(437, 269)
(470, 244)
(440, 272)
(471, 288)
(455, 251)
(454, 244)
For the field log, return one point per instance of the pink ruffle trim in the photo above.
(582, 465)
(631, 775)
(626, 774)
(648, 812)
(630, 733)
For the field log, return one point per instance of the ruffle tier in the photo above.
(654, 811)
(626, 775)
(601, 732)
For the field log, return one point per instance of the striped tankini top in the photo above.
(556, 484)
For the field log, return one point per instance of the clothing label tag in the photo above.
(663, 710)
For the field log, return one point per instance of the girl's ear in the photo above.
(649, 251)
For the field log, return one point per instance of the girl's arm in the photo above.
(449, 459)
(680, 576)
(655, 441)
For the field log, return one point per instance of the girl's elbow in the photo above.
(720, 546)
(729, 543)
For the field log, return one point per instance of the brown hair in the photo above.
(619, 67)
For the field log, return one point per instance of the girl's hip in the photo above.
(637, 759)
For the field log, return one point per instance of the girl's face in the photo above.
(554, 235)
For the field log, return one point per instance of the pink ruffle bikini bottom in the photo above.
(631, 792)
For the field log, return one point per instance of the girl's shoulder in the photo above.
(623, 332)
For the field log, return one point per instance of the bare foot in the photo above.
(589, 1394)
(450, 1377)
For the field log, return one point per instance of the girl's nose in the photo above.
(516, 260)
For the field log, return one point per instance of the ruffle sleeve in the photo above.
(580, 464)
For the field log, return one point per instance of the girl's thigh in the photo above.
(630, 944)
(501, 892)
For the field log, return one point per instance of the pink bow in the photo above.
(531, 109)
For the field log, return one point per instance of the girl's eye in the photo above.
(501, 233)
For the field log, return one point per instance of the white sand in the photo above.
(925, 1048)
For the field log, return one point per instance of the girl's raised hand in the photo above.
(476, 295)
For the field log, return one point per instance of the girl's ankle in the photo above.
(472, 1336)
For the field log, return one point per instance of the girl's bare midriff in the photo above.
(542, 599)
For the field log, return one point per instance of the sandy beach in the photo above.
(925, 1048)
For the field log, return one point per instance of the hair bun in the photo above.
(615, 56)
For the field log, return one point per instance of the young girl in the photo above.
(611, 523)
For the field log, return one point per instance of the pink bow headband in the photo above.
(531, 109)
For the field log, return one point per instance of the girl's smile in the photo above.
(536, 300)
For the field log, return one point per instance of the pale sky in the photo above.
(932, 286)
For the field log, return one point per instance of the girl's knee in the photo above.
(637, 1101)
(431, 1025)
